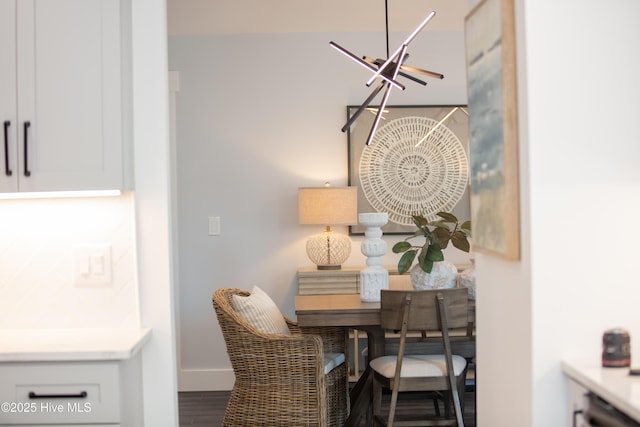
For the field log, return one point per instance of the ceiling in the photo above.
(198, 17)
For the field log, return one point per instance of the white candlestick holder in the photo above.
(374, 278)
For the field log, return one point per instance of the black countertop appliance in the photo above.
(616, 348)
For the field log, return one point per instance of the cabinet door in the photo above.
(8, 145)
(69, 94)
(86, 393)
(577, 402)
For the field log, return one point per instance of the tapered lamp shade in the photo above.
(328, 206)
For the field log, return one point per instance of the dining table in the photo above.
(350, 312)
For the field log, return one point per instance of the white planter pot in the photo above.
(442, 276)
(467, 279)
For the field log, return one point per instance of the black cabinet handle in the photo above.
(34, 395)
(575, 416)
(27, 125)
(7, 171)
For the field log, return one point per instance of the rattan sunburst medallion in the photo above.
(414, 165)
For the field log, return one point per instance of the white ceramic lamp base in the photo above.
(328, 250)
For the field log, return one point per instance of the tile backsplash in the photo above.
(37, 241)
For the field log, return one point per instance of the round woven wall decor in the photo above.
(404, 180)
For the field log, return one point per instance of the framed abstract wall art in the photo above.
(416, 163)
(493, 128)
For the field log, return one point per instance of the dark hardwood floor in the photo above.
(206, 408)
(202, 408)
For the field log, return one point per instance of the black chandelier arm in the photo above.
(352, 56)
(402, 56)
(404, 44)
(365, 64)
(379, 62)
(364, 105)
(412, 78)
(421, 71)
(376, 121)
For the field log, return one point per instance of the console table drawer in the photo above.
(78, 393)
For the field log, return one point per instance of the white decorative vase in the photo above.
(374, 278)
(442, 276)
(467, 279)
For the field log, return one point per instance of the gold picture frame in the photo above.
(493, 128)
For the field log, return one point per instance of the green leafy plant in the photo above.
(437, 236)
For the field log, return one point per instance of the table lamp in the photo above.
(328, 206)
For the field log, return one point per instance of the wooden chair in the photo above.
(281, 379)
(417, 311)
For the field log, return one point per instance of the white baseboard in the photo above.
(205, 379)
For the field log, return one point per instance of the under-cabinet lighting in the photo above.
(59, 194)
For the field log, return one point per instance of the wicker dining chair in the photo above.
(280, 379)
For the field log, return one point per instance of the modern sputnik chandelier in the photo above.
(387, 71)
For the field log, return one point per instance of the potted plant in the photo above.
(437, 236)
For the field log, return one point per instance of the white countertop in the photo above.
(614, 385)
(47, 345)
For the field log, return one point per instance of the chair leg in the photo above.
(461, 390)
(376, 399)
(458, 409)
(458, 398)
(446, 399)
(392, 405)
(452, 400)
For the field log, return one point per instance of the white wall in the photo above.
(153, 210)
(37, 283)
(580, 195)
(259, 116)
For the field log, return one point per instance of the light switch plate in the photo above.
(92, 265)
(214, 226)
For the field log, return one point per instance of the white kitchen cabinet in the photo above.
(577, 404)
(64, 95)
(72, 377)
(69, 393)
(613, 386)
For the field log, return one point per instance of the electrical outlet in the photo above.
(92, 265)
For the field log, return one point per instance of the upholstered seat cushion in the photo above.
(333, 360)
(260, 311)
(431, 365)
